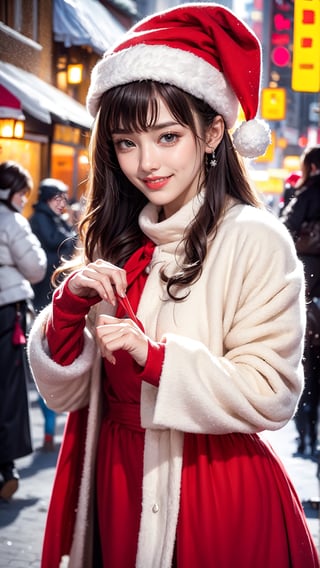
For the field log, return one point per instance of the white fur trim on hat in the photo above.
(164, 64)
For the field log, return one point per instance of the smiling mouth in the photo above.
(156, 183)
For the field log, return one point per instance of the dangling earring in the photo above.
(213, 162)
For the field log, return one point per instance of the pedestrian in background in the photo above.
(179, 335)
(55, 234)
(57, 238)
(22, 260)
(303, 209)
(289, 189)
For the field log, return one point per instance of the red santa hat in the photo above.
(203, 49)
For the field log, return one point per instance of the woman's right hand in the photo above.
(99, 278)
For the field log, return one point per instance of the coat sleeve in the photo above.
(255, 383)
(64, 388)
(66, 323)
(26, 252)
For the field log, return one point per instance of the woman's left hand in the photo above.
(115, 333)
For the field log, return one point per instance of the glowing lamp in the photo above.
(11, 127)
(74, 73)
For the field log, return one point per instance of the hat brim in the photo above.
(164, 64)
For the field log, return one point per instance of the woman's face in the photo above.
(20, 198)
(165, 162)
(58, 203)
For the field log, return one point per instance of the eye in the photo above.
(123, 144)
(169, 138)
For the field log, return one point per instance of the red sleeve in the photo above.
(66, 324)
(152, 370)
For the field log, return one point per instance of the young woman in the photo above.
(179, 336)
(22, 263)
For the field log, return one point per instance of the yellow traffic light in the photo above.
(269, 154)
(306, 46)
(273, 104)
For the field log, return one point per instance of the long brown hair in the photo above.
(109, 228)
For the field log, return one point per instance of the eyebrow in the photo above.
(160, 126)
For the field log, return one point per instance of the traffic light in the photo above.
(306, 46)
(273, 104)
(281, 43)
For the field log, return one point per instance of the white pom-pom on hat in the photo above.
(252, 138)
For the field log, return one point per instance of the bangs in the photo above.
(136, 106)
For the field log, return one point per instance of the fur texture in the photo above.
(232, 361)
(166, 65)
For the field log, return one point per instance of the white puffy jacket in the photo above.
(22, 260)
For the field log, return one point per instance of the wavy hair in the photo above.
(109, 228)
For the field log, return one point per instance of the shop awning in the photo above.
(41, 100)
(85, 22)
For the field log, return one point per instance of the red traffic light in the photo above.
(280, 56)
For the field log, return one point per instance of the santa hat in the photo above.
(203, 49)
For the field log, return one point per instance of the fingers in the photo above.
(102, 278)
(110, 277)
(104, 319)
(114, 334)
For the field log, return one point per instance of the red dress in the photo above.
(237, 509)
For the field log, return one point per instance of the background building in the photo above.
(48, 48)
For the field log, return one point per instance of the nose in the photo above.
(149, 158)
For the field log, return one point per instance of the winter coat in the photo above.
(305, 206)
(22, 260)
(232, 360)
(58, 240)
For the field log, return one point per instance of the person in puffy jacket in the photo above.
(305, 207)
(57, 238)
(22, 263)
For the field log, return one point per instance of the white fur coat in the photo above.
(232, 359)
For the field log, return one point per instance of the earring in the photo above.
(213, 162)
